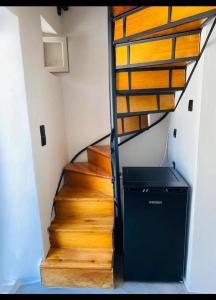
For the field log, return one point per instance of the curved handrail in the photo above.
(78, 154)
(195, 65)
(152, 125)
(141, 131)
(84, 149)
(73, 159)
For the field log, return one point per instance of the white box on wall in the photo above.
(55, 54)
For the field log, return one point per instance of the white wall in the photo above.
(20, 230)
(147, 149)
(86, 86)
(202, 276)
(49, 13)
(194, 153)
(86, 89)
(45, 106)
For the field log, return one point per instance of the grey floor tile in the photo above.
(120, 288)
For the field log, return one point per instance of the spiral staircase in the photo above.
(150, 48)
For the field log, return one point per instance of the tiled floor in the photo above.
(121, 287)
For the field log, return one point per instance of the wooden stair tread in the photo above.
(72, 194)
(82, 224)
(87, 169)
(78, 258)
(103, 150)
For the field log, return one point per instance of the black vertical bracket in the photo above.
(113, 119)
(60, 8)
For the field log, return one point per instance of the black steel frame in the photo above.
(118, 243)
(145, 112)
(156, 38)
(60, 8)
(148, 91)
(160, 62)
(73, 159)
(129, 12)
(136, 133)
(131, 91)
(186, 85)
(142, 113)
(195, 65)
(168, 25)
(113, 112)
(170, 68)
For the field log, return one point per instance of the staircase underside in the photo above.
(153, 47)
(151, 21)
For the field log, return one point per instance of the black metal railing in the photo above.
(114, 134)
(196, 63)
(78, 154)
(182, 93)
(73, 159)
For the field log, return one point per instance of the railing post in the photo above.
(113, 117)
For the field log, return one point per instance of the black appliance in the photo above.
(155, 209)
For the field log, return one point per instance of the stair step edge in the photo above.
(97, 172)
(66, 264)
(100, 152)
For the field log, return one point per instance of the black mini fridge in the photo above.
(155, 209)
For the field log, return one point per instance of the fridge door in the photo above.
(154, 228)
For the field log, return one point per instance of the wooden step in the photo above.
(145, 103)
(118, 10)
(87, 169)
(146, 79)
(89, 176)
(128, 125)
(80, 278)
(166, 20)
(100, 157)
(81, 233)
(78, 259)
(156, 51)
(78, 268)
(82, 203)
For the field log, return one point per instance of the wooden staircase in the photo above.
(153, 47)
(150, 49)
(81, 234)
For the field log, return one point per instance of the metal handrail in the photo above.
(186, 85)
(73, 159)
(143, 130)
(84, 149)
(112, 134)
(78, 154)
(197, 61)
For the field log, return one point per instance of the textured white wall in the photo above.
(86, 86)
(147, 149)
(20, 228)
(86, 89)
(45, 106)
(194, 153)
(203, 243)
